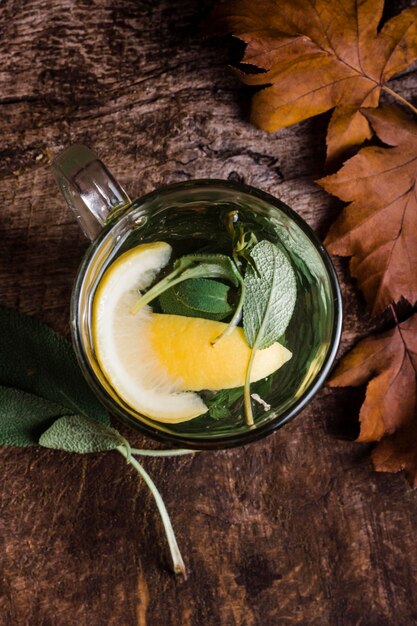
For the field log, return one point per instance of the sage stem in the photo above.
(178, 563)
(168, 282)
(246, 394)
(237, 315)
(179, 452)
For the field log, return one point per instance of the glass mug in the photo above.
(190, 216)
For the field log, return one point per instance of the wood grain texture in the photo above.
(296, 529)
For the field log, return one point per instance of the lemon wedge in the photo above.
(156, 362)
(188, 357)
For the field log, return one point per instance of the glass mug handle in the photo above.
(88, 187)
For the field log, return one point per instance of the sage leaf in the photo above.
(76, 433)
(209, 266)
(24, 417)
(197, 297)
(269, 301)
(270, 295)
(36, 360)
(193, 266)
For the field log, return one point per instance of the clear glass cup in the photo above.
(190, 216)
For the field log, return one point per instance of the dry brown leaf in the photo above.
(379, 228)
(399, 452)
(388, 363)
(319, 55)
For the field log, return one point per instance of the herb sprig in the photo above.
(270, 295)
(195, 266)
(192, 266)
(45, 401)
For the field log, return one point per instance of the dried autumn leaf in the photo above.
(319, 55)
(378, 229)
(399, 452)
(388, 364)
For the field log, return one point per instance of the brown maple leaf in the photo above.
(388, 363)
(379, 228)
(319, 55)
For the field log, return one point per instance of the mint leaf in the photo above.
(24, 416)
(193, 266)
(219, 405)
(197, 297)
(37, 361)
(208, 266)
(76, 433)
(269, 301)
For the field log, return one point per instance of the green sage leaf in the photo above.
(24, 417)
(208, 266)
(76, 433)
(270, 296)
(36, 360)
(269, 301)
(198, 297)
(193, 266)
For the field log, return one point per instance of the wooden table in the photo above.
(296, 529)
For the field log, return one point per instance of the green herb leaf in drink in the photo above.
(270, 295)
(197, 297)
(243, 238)
(219, 405)
(208, 266)
(193, 266)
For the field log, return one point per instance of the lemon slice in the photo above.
(188, 357)
(156, 362)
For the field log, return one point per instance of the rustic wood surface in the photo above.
(296, 529)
